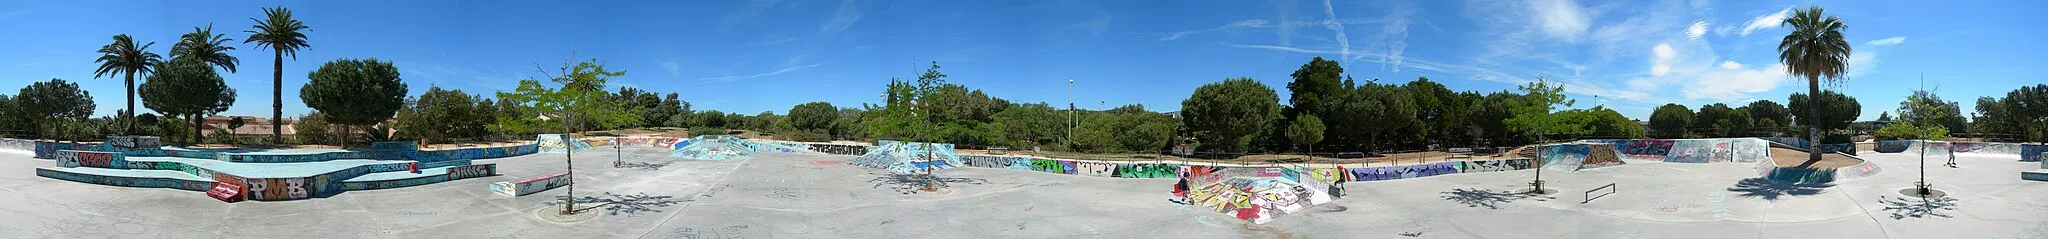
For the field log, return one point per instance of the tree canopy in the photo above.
(187, 87)
(1222, 114)
(355, 92)
(1670, 121)
(1835, 110)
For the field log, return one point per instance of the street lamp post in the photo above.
(1068, 139)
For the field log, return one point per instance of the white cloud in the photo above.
(1395, 36)
(1767, 21)
(1560, 18)
(1330, 21)
(842, 18)
(1729, 85)
(673, 68)
(776, 72)
(1887, 41)
(1661, 65)
(1698, 29)
(1731, 65)
(1862, 63)
(1235, 25)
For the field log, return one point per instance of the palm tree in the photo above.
(203, 45)
(123, 56)
(1816, 50)
(284, 36)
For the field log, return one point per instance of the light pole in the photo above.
(1068, 139)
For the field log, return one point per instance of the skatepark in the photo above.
(737, 188)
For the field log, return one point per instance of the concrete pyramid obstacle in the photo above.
(908, 157)
(1259, 199)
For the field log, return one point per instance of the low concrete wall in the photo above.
(523, 187)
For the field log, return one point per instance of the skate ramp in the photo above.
(557, 143)
(1258, 199)
(908, 157)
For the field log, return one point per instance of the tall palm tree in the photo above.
(123, 56)
(284, 36)
(203, 45)
(1816, 50)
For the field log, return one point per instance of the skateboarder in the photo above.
(1951, 157)
(1341, 176)
(1180, 189)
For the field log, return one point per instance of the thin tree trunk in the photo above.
(276, 99)
(1813, 128)
(130, 129)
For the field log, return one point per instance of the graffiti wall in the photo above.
(1690, 151)
(2033, 152)
(1844, 148)
(395, 145)
(1647, 149)
(91, 159)
(1862, 170)
(1799, 175)
(1893, 146)
(48, 150)
(397, 183)
(1750, 150)
(557, 143)
(839, 149)
(1403, 172)
(1564, 155)
(1494, 165)
(124, 181)
(18, 144)
(271, 189)
(1599, 155)
(472, 171)
(1147, 170)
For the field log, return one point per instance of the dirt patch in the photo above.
(1790, 158)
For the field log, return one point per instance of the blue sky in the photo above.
(753, 56)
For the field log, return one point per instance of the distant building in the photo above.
(254, 125)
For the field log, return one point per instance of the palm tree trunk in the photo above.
(276, 98)
(1813, 128)
(130, 83)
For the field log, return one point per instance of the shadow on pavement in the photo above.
(622, 203)
(1473, 197)
(1772, 189)
(1903, 207)
(909, 183)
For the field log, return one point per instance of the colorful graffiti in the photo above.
(2033, 152)
(1655, 149)
(1844, 148)
(1690, 151)
(532, 185)
(1147, 170)
(1095, 169)
(472, 171)
(1403, 172)
(839, 149)
(1751, 150)
(1599, 155)
(271, 189)
(1893, 146)
(1048, 165)
(1564, 155)
(1495, 165)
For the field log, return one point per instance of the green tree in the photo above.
(187, 87)
(1834, 111)
(1768, 115)
(47, 104)
(579, 103)
(1031, 125)
(1711, 119)
(284, 36)
(1815, 49)
(1884, 116)
(439, 115)
(1307, 131)
(2023, 111)
(123, 56)
(814, 116)
(203, 45)
(353, 93)
(1378, 109)
(1490, 115)
(1223, 113)
(1926, 108)
(1315, 83)
(312, 129)
(1739, 124)
(1535, 112)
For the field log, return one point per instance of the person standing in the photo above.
(1342, 176)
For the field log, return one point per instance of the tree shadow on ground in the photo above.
(1474, 197)
(1903, 207)
(1772, 189)
(622, 203)
(909, 183)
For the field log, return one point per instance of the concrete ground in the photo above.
(776, 195)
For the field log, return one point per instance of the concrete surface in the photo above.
(779, 195)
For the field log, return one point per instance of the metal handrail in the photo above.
(1611, 189)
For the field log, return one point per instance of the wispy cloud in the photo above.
(1766, 21)
(767, 43)
(674, 69)
(1697, 30)
(1394, 35)
(1887, 41)
(1234, 25)
(842, 18)
(1330, 21)
(771, 73)
(744, 14)
(1561, 19)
